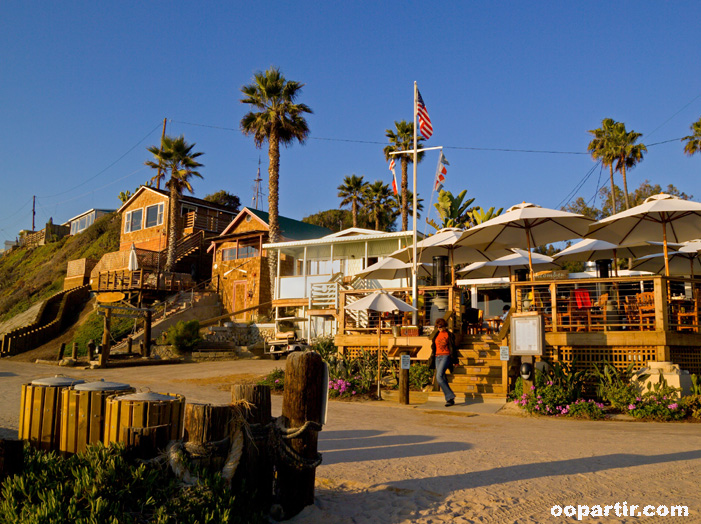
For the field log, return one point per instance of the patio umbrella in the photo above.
(679, 263)
(391, 268)
(501, 267)
(382, 302)
(133, 264)
(660, 218)
(526, 226)
(443, 244)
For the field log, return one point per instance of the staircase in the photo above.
(480, 371)
(186, 246)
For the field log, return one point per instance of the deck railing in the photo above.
(651, 303)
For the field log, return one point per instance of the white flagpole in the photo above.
(414, 283)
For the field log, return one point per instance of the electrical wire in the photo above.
(109, 166)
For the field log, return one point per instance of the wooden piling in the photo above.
(301, 403)
(256, 467)
(105, 352)
(403, 382)
(74, 351)
(147, 334)
(61, 351)
(92, 350)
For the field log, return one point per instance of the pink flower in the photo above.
(631, 407)
(673, 406)
(353, 393)
(532, 388)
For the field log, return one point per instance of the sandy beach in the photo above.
(474, 463)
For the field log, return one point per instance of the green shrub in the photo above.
(652, 406)
(615, 386)
(184, 336)
(275, 380)
(692, 406)
(420, 376)
(585, 409)
(103, 485)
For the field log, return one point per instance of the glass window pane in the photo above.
(136, 219)
(152, 216)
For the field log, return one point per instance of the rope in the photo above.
(284, 451)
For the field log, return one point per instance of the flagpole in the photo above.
(414, 283)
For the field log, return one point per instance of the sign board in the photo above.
(406, 361)
(554, 274)
(503, 352)
(526, 334)
(109, 297)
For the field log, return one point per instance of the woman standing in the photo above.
(445, 353)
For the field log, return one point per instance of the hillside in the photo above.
(28, 276)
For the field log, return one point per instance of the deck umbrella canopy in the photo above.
(391, 268)
(590, 249)
(502, 267)
(382, 302)
(526, 226)
(443, 243)
(680, 263)
(661, 217)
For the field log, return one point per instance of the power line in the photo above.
(675, 114)
(105, 169)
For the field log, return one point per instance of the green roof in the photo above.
(293, 229)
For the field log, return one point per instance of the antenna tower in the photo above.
(257, 191)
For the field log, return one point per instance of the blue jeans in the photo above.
(442, 363)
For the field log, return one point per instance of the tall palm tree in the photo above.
(276, 118)
(693, 141)
(377, 196)
(601, 149)
(352, 191)
(627, 153)
(175, 155)
(403, 140)
(396, 203)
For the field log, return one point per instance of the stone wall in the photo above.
(241, 334)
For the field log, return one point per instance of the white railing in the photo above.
(323, 295)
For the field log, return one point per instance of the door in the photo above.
(239, 298)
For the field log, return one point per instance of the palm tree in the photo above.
(627, 153)
(693, 142)
(403, 140)
(176, 155)
(377, 196)
(352, 191)
(452, 210)
(601, 148)
(275, 118)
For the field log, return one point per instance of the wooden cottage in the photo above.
(81, 222)
(240, 263)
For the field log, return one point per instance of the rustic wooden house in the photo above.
(145, 224)
(81, 222)
(240, 263)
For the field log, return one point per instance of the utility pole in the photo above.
(34, 212)
(160, 151)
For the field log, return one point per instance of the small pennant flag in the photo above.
(394, 177)
(425, 127)
(441, 171)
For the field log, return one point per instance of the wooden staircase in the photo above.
(480, 373)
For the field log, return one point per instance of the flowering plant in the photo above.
(345, 388)
(652, 406)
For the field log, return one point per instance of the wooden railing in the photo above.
(199, 222)
(653, 303)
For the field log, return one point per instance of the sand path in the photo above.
(428, 464)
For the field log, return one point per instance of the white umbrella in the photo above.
(383, 302)
(502, 267)
(679, 263)
(443, 244)
(660, 218)
(391, 268)
(133, 259)
(526, 226)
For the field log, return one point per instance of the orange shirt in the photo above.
(442, 343)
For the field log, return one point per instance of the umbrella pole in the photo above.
(615, 263)
(666, 254)
(379, 360)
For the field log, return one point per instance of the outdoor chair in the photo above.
(630, 306)
(597, 315)
(689, 320)
(571, 319)
(646, 309)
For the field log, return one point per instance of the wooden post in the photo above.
(146, 443)
(74, 351)
(92, 350)
(147, 334)
(301, 403)
(61, 351)
(130, 341)
(256, 466)
(105, 351)
(11, 457)
(142, 348)
(403, 381)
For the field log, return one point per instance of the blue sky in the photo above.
(86, 86)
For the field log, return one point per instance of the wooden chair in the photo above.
(646, 310)
(689, 320)
(630, 306)
(571, 318)
(596, 316)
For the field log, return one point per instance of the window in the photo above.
(83, 224)
(186, 208)
(154, 215)
(228, 254)
(133, 221)
(74, 227)
(248, 249)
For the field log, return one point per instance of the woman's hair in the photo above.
(441, 323)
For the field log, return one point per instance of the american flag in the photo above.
(425, 126)
(441, 171)
(394, 177)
